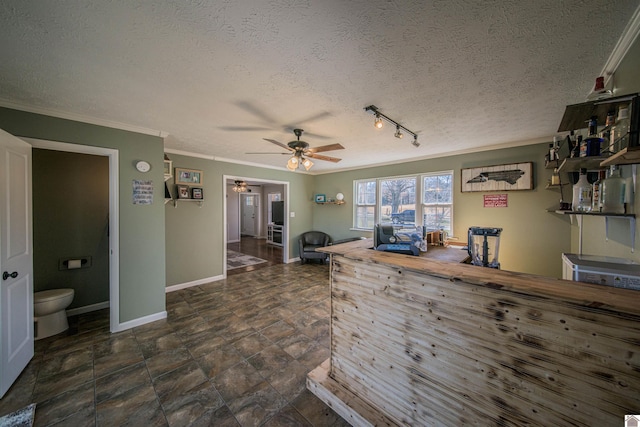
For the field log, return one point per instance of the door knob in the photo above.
(6, 275)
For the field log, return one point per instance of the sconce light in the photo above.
(398, 134)
(240, 186)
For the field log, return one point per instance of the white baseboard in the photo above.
(290, 260)
(87, 308)
(139, 321)
(233, 241)
(185, 285)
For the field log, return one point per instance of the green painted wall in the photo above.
(195, 235)
(71, 219)
(142, 228)
(532, 240)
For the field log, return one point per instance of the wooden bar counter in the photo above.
(424, 342)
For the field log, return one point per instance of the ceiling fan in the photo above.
(300, 149)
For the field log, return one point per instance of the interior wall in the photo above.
(532, 240)
(142, 242)
(70, 220)
(195, 235)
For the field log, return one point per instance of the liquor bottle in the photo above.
(555, 178)
(582, 194)
(593, 142)
(596, 200)
(612, 192)
(577, 149)
(620, 130)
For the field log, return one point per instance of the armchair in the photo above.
(309, 241)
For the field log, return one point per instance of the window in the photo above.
(415, 200)
(365, 205)
(398, 201)
(437, 201)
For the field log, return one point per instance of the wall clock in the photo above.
(143, 166)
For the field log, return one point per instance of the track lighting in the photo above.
(398, 134)
(378, 122)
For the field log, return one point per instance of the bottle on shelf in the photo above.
(577, 148)
(592, 143)
(596, 200)
(612, 192)
(582, 194)
(555, 178)
(620, 130)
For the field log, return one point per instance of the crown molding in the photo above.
(628, 37)
(81, 118)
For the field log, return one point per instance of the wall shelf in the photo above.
(580, 216)
(622, 157)
(574, 164)
(198, 201)
(336, 202)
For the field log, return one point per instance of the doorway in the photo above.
(111, 222)
(233, 204)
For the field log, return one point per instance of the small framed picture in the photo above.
(189, 176)
(196, 193)
(321, 198)
(183, 192)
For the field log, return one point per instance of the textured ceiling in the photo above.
(218, 76)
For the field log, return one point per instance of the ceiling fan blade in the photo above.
(321, 157)
(279, 144)
(286, 154)
(311, 134)
(252, 108)
(330, 147)
(243, 128)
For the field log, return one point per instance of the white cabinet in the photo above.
(274, 234)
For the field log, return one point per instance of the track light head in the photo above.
(378, 122)
(415, 142)
(398, 134)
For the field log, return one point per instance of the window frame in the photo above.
(420, 202)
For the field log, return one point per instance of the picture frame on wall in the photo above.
(189, 176)
(509, 177)
(183, 192)
(321, 198)
(197, 193)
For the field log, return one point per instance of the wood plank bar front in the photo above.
(417, 341)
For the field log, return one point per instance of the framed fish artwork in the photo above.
(514, 176)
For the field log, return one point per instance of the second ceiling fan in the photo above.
(300, 149)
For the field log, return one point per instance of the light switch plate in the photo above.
(292, 214)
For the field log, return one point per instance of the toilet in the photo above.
(49, 310)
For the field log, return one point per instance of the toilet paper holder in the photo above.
(73, 263)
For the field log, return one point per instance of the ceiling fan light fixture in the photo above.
(378, 122)
(240, 186)
(307, 163)
(293, 163)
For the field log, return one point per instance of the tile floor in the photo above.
(232, 352)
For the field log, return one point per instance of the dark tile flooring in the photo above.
(232, 352)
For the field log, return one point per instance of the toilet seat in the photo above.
(51, 294)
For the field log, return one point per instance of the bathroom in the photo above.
(70, 227)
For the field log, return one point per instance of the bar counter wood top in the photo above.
(422, 341)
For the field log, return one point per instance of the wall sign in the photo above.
(495, 200)
(142, 192)
(515, 176)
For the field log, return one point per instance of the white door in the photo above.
(16, 259)
(249, 211)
